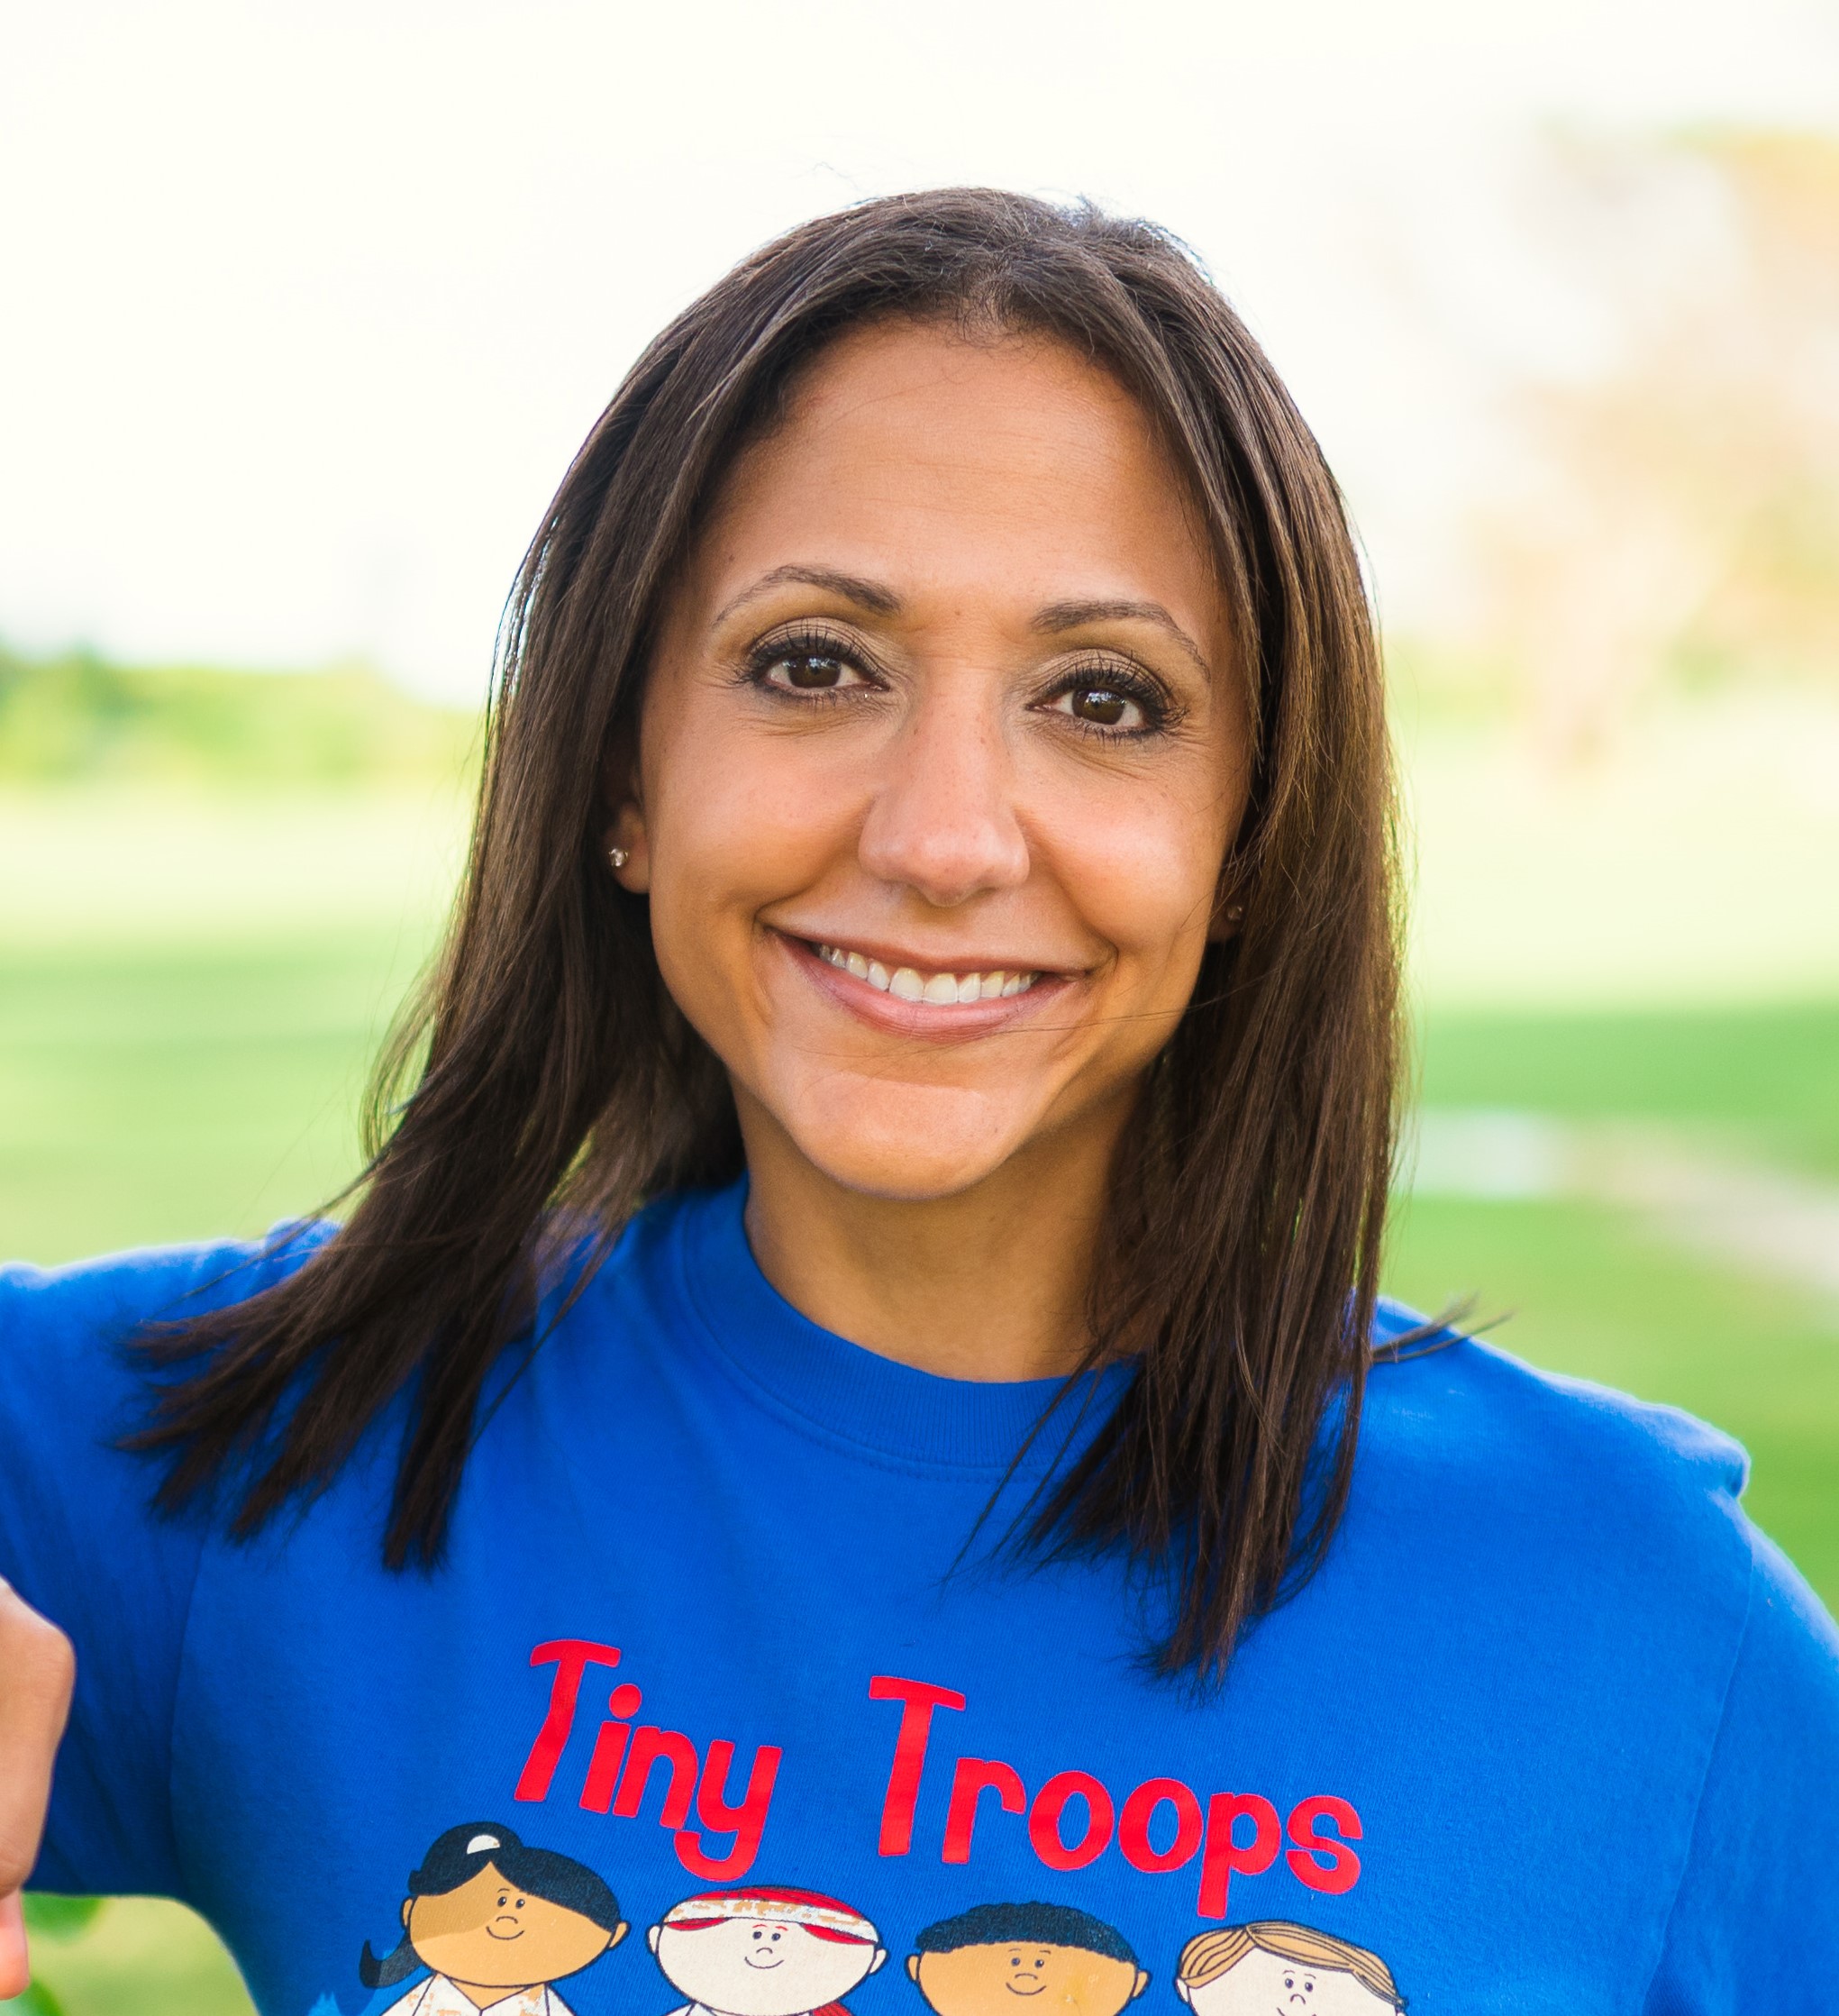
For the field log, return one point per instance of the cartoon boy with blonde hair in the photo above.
(1249, 1970)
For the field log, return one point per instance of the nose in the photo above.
(943, 819)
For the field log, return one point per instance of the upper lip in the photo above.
(895, 957)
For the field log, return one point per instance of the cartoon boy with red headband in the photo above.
(764, 1952)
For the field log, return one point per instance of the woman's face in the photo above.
(942, 750)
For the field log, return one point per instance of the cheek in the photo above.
(1141, 866)
(735, 820)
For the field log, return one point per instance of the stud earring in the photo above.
(1234, 911)
(618, 856)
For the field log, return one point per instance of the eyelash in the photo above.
(1093, 675)
(1106, 675)
(810, 642)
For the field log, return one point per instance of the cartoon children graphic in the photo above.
(997, 1959)
(1249, 1970)
(495, 1923)
(764, 1952)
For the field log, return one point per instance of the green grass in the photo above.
(164, 1095)
(141, 1957)
(160, 1093)
(1766, 1078)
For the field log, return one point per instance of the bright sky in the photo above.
(308, 306)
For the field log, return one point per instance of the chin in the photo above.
(903, 1169)
(911, 1150)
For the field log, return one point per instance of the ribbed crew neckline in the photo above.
(853, 1394)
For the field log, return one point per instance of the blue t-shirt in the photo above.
(1553, 1729)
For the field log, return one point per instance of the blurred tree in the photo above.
(1678, 515)
(74, 716)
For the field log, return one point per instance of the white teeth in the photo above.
(907, 984)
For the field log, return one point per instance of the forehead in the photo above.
(1261, 1964)
(999, 1951)
(962, 459)
(736, 1924)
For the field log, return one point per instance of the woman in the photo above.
(849, 1370)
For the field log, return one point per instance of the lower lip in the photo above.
(933, 1021)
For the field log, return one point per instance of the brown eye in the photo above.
(1102, 706)
(1107, 710)
(808, 672)
(811, 672)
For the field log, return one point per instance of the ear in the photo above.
(913, 1967)
(1228, 914)
(626, 834)
(1181, 1988)
(619, 1932)
(408, 1904)
(880, 1954)
(1142, 1981)
(652, 1939)
(625, 828)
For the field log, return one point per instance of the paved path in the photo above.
(1749, 1214)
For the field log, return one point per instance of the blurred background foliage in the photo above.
(1620, 748)
(73, 717)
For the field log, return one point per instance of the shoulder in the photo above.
(62, 1328)
(1467, 1411)
(1582, 1561)
(151, 1283)
(1522, 1466)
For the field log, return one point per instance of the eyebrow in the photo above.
(1074, 616)
(882, 601)
(853, 588)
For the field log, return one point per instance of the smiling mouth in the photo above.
(940, 989)
(517, 1932)
(1023, 1986)
(764, 1959)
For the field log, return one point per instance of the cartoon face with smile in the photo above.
(490, 1934)
(764, 1952)
(1274, 1968)
(492, 1921)
(999, 1959)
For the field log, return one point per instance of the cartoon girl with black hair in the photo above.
(495, 1923)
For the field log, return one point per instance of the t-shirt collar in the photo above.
(856, 1395)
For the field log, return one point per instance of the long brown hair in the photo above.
(543, 1077)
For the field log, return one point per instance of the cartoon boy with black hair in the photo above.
(495, 1923)
(998, 1959)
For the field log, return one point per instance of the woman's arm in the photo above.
(38, 1670)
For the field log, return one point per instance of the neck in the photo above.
(989, 1283)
